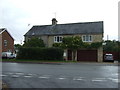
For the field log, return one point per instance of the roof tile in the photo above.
(72, 28)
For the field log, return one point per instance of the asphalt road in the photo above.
(81, 75)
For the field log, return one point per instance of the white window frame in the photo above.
(87, 38)
(58, 39)
(5, 43)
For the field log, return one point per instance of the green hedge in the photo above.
(40, 53)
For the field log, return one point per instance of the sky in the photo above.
(18, 16)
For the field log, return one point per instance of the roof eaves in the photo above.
(4, 29)
(9, 34)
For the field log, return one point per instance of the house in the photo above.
(7, 41)
(88, 31)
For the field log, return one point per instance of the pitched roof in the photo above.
(67, 29)
(3, 30)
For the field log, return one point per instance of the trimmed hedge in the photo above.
(40, 53)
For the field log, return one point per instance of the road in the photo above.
(76, 75)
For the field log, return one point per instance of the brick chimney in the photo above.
(54, 21)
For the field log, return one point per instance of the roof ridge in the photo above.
(40, 25)
(69, 23)
(82, 22)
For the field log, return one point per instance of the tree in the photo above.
(17, 45)
(34, 42)
(72, 43)
(111, 45)
(75, 43)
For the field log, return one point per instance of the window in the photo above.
(58, 39)
(87, 38)
(5, 42)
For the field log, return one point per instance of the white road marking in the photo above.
(115, 74)
(77, 79)
(3, 75)
(44, 77)
(15, 76)
(115, 80)
(27, 76)
(61, 78)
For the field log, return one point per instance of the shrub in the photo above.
(40, 53)
(34, 42)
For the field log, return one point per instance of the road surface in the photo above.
(75, 75)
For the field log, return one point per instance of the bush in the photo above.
(34, 42)
(40, 53)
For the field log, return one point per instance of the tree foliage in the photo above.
(37, 53)
(17, 45)
(95, 45)
(34, 42)
(72, 43)
(75, 43)
(111, 46)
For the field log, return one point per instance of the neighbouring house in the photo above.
(6, 41)
(88, 31)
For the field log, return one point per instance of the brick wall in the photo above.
(10, 42)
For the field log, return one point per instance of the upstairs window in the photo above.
(87, 38)
(58, 39)
(5, 42)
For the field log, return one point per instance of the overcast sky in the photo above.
(15, 15)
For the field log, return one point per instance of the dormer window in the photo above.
(87, 38)
(58, 39)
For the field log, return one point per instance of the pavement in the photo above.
(107, 63)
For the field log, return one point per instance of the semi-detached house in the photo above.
(88, 31)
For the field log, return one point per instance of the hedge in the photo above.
(40, 53)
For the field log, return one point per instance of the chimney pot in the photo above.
(54, 21)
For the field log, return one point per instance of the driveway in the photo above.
(74, 75)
